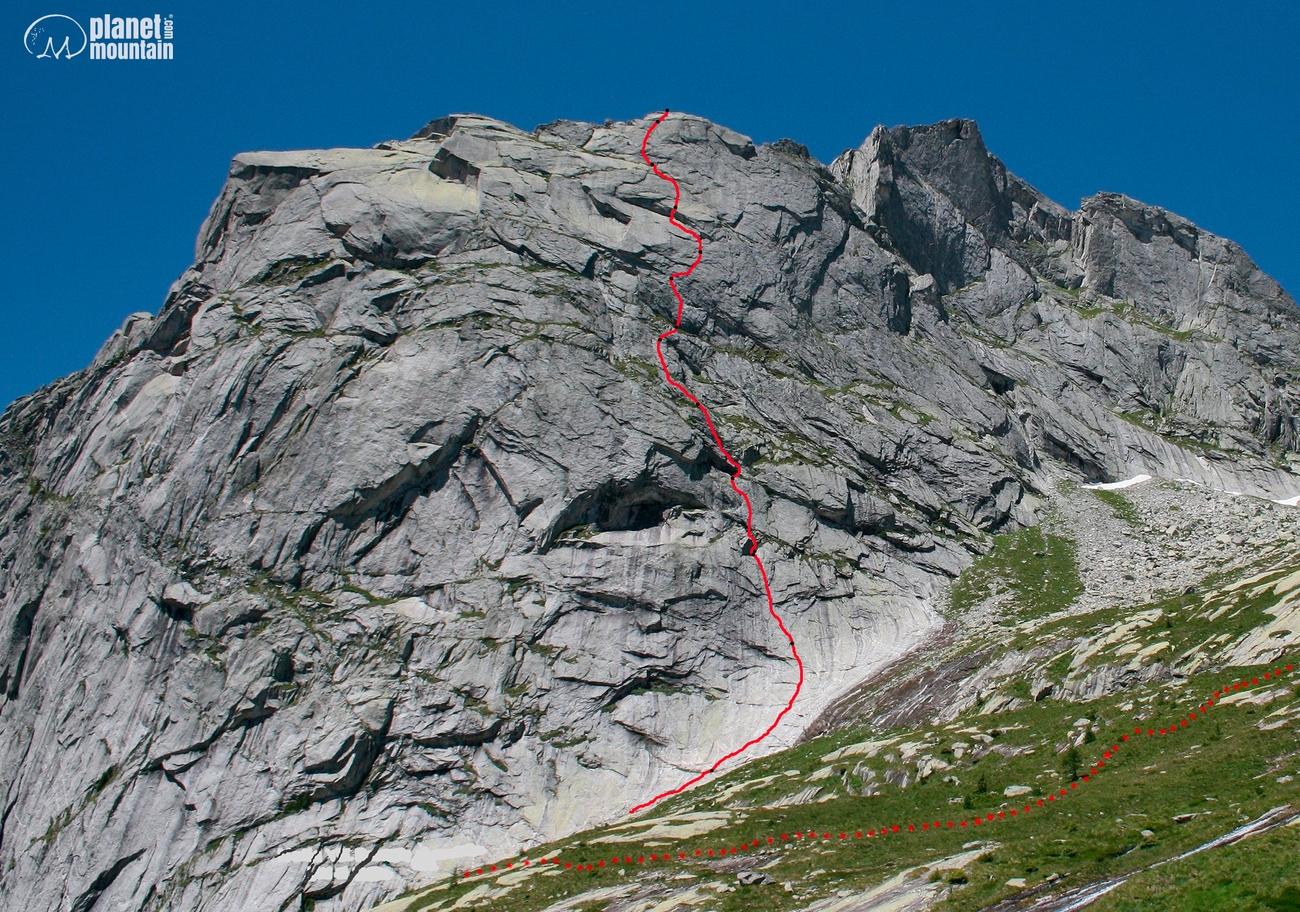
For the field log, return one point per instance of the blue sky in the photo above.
(109, 167)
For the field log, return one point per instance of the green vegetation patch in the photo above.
(1036, 571)
(1120, 505)
(1256, 875)
(294, 269)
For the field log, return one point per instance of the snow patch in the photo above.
(1117, 485)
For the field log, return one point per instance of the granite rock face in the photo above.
(385, 546)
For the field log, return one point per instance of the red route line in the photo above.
(749, 509)
(824, 837)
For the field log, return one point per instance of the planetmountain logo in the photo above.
(59, 37)
(55, 36)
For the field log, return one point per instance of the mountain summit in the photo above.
(384, 546)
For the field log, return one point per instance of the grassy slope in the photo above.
(1223, 768)
(1259, 875)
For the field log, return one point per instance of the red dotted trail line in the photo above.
(749, 509)
(690, 854)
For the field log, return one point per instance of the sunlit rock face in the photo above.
(385, 547)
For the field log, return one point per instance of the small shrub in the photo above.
(1071, 762)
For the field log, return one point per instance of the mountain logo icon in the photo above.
(56, 36)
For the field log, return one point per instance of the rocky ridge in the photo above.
(384, 544)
